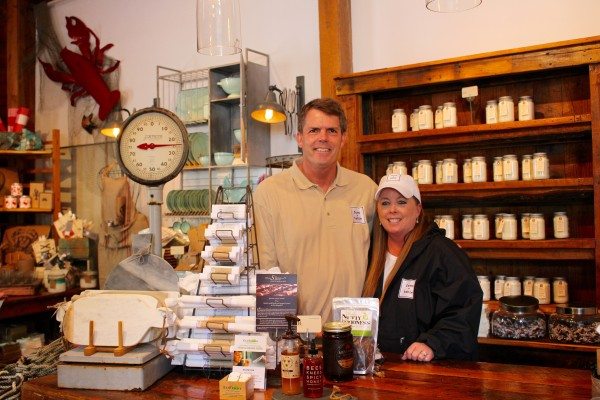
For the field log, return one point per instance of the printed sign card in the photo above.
(249, 356)
(276, 297)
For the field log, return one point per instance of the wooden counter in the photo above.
(411, 380)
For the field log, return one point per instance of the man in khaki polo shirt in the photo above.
(314, 219)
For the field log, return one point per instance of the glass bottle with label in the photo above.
(497, 169)
(481, 227)
(506, 109)
(541, 290)
(467, 226)
(526, 167)
(467, 170)
(439, 175)
(425, 115)
(528, 282)
(526, 108)
(449, 113)
(525, 217)
(439, 117)
(447, 223)
(291, 381)
(484, 282)
(560, 290)
(541, 166)
(399, 167)
(510, 168)
(561, 225)
(512, 286)
(509, 227)
(491, 112)
(479, 169)
(399, 120)
(425, 172)
(312, 377)
(450, 171)
(499, 286)
(537, 226)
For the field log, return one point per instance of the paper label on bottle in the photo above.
(290, 366)
(407, 289)
(360, 320)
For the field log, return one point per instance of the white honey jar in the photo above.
(497, 169)
(415, 171)
(537, 227)
(499, 286)
(481, 227)
(512, 286)
(498, 225)
(485, 284)
(479, 169)
(425, 172)
(447, 223)
(399, 167)
(541, 290)
(449, 113)
(509, 227)
(450, 171)
(467, 170)
(528, 282)
(414, 120)
(439, 175)
(467, 226)
(561, 225)
(526, 167)
(491, 112)
(425, 115)
(506, 109)
(525, 217)
(560, 290)
(510, 167)
(389, 169)
(526, 108)
(399, 120)
(439, 117)
(541, 166)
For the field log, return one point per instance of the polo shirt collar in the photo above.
(341, 177)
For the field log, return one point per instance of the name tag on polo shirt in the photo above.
(358, 215)
(407, 289)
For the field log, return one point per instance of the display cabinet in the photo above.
(564, 81)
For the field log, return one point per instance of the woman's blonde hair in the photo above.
(378, 254)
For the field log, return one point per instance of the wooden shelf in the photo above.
(537, 344)
(552, 249)
(508, 132)
(25, 210)
(35, 153)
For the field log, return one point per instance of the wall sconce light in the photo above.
(218, 29)
(281, 106)
(448, 6)
(113, 124)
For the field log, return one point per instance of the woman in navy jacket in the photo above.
(430, 299)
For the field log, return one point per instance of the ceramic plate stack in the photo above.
(196, 201)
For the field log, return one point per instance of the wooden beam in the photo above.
(14, 51)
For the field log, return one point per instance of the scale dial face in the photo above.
(153, 146)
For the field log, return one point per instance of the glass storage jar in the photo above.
(425, 117)
(574, 324)
(491, 112)
(528, 285)
(425, 172)
(561, 225)
(540, 166)
(414, 120)
(506, 109)
(498, 224)
(484, 282)
(447, 223)
(467, 226)
(525, 217)
(526, 167)
(481, 227)
(449, 113)
(479, 169)
(399, 167)
(512, 286)
(537, 226)
(499, 286)
(439, 117)
(560, 290)
(541, 290)
(510, 168)
(518, 318)
(497, 169)
(338, 353)
(526, 108)
(450, 171)
(467, 170)
(415, 171)
(439, 175)
(509, 227)
(399, 120)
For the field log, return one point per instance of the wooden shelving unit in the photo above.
(564, 82)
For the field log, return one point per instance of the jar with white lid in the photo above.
(560, 290)
(414, 120)
(574, 324)
(510, 168)
(526, 108)
(467, 170)
(561, 225)
(399, 121)
(425, 172)
(512, 286)
(499, 286)
(518, 317)
(509, 227)
(537, 226)
(88, 280)
(399, 167)
(389, 169)
(439, 117)
(525, 219)
(449, 113)
(540, 166)
(526, 167)
(447, 223)
(481, 227)
(498, 225)
(541, 290)
(479, 169)
(449, 171)
(425, 115)
(506, 109)
(415, 171)
(528, 282)
(484, 282)
(497, 169)
(439, 175)
(491, 112)
(467, 226)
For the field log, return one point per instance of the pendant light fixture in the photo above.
(114, 123)
(218, 27)
(448, 6)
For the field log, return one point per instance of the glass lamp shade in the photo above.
(269, 111)
(114, 123)
(218, 27)
(451, 5)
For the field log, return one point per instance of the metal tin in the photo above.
(338, 351)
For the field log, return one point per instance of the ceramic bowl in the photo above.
(231, 85)
(238, 135)
(223, 158)
(204, 161)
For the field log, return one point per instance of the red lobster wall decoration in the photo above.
(85, 69)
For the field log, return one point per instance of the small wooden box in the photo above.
(35, 192)
(236, 390)
(46, 201)
(79, 248)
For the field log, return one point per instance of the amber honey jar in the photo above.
(338, 352)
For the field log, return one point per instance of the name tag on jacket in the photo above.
(407, 289)
(358, 215)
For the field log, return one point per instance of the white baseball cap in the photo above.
(403, 184)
